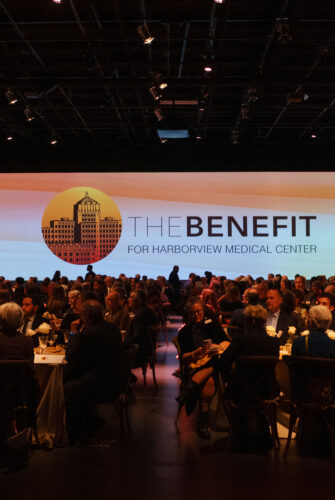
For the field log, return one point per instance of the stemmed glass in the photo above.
(43, 341)
(52, 338)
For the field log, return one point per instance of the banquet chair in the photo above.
(312, 391)
(181, 377)
(149, 355)
(17, 405)
(252, 387)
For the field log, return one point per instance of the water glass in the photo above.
(43, 341)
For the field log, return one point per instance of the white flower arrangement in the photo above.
(304, 333)
(271, 331)
(291, 330)
(49, 316)
(44, 328)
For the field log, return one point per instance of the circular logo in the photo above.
(81, 225)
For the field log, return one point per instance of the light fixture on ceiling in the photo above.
(28, 114)
(12, 99)
(145, 34)
(252, 94)
(9, 137)
(53, 141)
(155, 93)
(296, 97)
(163, 140)
(161, 82)
(57, 1)
(313, 134)
(219, 1)
(159, 114)
(208, 68)
(235, 137)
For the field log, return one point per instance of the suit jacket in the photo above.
(284, 321)
(319, 345)
(97, 349)
(251, 343)
(237, 323)
(16, 346)
(190, 336)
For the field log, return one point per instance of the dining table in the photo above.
(50, 413)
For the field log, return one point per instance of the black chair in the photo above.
(181, 377)
(312, 391)
(127, 364)
(18, 398)
(252, 387)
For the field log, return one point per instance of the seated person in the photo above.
(328, 300)
(92, 373)
(32, 320)
(230, 302)
(201, 384)
(300, 311)
(317, 343)
(15, 346)
(144, 318)
(237, 322)
(115, 311)
(278, 318)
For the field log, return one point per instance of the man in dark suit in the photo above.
(328, 300)
(92, 373)
(278, 318)
(32, 319)
(237, 322)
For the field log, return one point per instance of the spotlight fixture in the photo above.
(12, 99)
(219, 1)
(159, 114)
(9, 138)
(313, 134)
(208, 69)
(144, 33)
(252, 94)
(202, 105)
(159, 80)
(296, 97)
(57, 1)
(235, 137)
(198, 136)
(28, 114)
(163, 140)
(155, 93)
(53, 141)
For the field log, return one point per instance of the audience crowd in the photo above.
(98, 317)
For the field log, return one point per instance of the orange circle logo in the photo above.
(81, 225)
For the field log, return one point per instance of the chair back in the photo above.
(312, 380)
(253, 380)
(14, 385)
(181, 365)
(150, 338)
(127, 363)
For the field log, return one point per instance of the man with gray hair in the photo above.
(317, 344)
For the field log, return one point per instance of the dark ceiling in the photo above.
(80, 68)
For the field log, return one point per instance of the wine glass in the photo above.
(52, 338)
(43, 341)
(66, 337)
(58, 322)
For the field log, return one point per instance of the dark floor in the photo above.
(158, 463)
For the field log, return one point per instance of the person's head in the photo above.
(318, 317)
(91, 313)
(175, 269)
(89, 268)
(270, 276)
(109, 281)
(330, 289)
(19, 281)
(233, 294)
(255, 316)
(327, 300)
(113, 301)
(250, 297)
(139, 298)
(11, 317)
(274, 299)
(262, 289)
(99, 285)
(73, 296)
(195, 310)
(30, 305)
(299, 297)
(288, 304)
(285, 284)
(299, 283)
(4, 295)
(208, 298)
(316, 287)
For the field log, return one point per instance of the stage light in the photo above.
(313, 134)
(199, 137)
(11, 96)
(202, 105)
(28, 114)
(144, 33)
(252, 94)
(296, 97)
(163, 140)
(160, 81)
(159, 114)
(53, 141)
(154, 92)
(57, 1)
(208, 68)
(219, 1)
(9, 138)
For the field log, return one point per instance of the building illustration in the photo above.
(87, 237)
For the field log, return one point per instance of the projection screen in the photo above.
(227, 223)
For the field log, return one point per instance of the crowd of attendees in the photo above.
(104, 315)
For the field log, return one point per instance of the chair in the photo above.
(128, 358)
(252, 387)
(17, 405)
(312, 391)
(181, 377)
(149, 353)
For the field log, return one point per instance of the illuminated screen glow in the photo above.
(227, 223)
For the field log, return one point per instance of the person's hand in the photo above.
(198, 353)
(75, 326)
